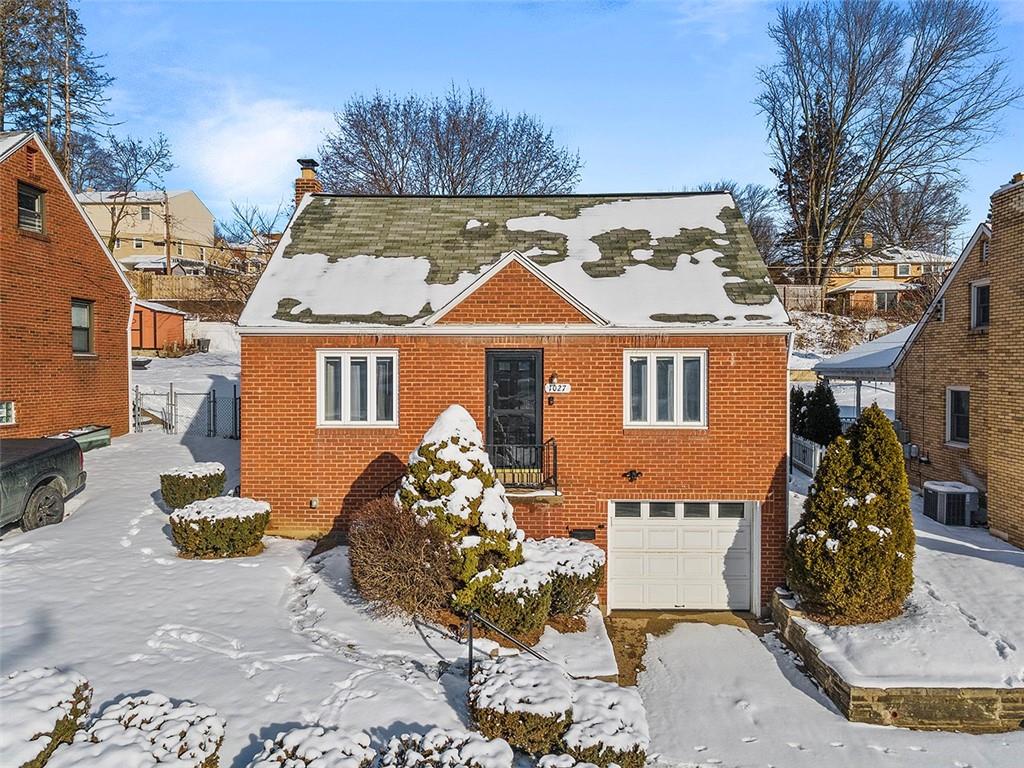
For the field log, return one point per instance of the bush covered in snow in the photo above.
(315, 747)
(183, 485)
(523, 700)
(850, 558)
(565, 761)
(451, 483)
(225, 526)
(140, 731)
(517, 602)
(42, 708)
(576, 569)
(446, 748)
(399, 564)
(609, 725)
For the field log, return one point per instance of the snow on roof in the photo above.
(631, 260)
(871, 361)
(157, 307)
(139, 195)
(896, 253)
(11, 139)
(872, 285)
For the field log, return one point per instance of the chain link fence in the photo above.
(203, 414)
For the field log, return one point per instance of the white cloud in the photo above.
(245, 150)
(718, 19)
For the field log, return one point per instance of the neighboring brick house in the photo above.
(65, 305)
(871, 279)
(959, 386)
(629, 348)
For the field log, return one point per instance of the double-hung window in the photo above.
(665, 388)
(902, 270)
(885, 300)
(30, 208)
(357, 387)
(145, 213)
(958, 415)
(980, 304)
(81, 327)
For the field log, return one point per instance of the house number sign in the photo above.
(559, 388)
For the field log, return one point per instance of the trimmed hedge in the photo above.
(441, 748)
(183, 485)
(222, 527)
(572, 595)
(522, 613)
(43, 708)
(604, 756)
(315, 747)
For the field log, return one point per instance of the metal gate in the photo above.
(206, 414)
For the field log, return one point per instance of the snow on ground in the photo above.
(964, 622)
(271, 642)
(881, 392)
(199, 372)
(718, 695)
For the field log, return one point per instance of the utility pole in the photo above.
(167, 233)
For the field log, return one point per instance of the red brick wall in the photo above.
(511, 297)
(53, 389)
(287, 460)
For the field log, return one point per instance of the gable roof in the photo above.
(983, 230)
(92, 197)
(634, 260)
(10, 142)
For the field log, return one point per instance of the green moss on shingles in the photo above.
(285, 311)
(662, 317)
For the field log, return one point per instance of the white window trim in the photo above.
(713, 508)
(14, 414)
(137, 242)
(677, 423)
(371, 390)
(902, 270)
(145, 213)
(874, 270)
(974, 304)
(117, 242)
(949, 412)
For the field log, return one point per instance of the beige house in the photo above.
(876, 279)
(959, 388)
(153, 218)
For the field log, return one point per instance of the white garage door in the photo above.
(680, 554)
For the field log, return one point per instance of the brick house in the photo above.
(959, 388)
(625, 356)
(65, 305)
(875, 279)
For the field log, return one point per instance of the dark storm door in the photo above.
(514, 396)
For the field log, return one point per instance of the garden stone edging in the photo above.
(974, 710)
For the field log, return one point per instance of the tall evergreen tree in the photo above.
(821, 415)
(797, 415)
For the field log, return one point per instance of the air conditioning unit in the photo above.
(950, 502)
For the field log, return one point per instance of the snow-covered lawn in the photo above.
(271, 641)
(217, 369)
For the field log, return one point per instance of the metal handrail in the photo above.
(474, 616)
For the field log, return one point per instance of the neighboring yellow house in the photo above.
(151, 220)
(875, 279)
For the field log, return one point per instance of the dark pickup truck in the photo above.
(36, 476)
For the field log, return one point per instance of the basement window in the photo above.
(357, 388)
(30, 208)
(6, 412)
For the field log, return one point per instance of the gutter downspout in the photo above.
(128, 341)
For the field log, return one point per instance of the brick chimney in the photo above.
(307, 181)
(869, 241)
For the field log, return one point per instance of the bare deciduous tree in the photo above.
(451, 145)
(874, 94)
(759, 207)
(128, 164)
(922, 214)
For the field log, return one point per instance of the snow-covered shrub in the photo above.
(525, 701)
(183, 485)
(139, 731)
(225, 526)
(451, 483)
(41, 709)
(609, 725)
(399, 564)
(850, 558)
(576, 569)
(315, 747)
(446, 748)
(565, 761)
(821, 422)
(519, 602)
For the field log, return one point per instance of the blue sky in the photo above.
(655, 95)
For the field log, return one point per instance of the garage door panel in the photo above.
(738, 539)
(662, 538)
(628, 538)
(696, 538)
(662, 566)
(629, 566)
(736, 566)
(696, 566)
(628, 593)
(661, 593)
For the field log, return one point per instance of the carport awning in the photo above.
(874, 360)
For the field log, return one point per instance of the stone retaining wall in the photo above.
(975, 710)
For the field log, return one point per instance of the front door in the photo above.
(514, 393)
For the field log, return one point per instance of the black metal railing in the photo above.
(389, 490)
(476, 618)
(526, 466)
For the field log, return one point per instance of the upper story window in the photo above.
(665, 388)
(137, 242)
(117, 242)
(874, 270)
(902, 270)
(958, 415)
(181, 248)
(81, 327)
(980, 304)
(357, 388)
(145, 213)
(845, 269)
(30, 207)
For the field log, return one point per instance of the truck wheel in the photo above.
(45, 507)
